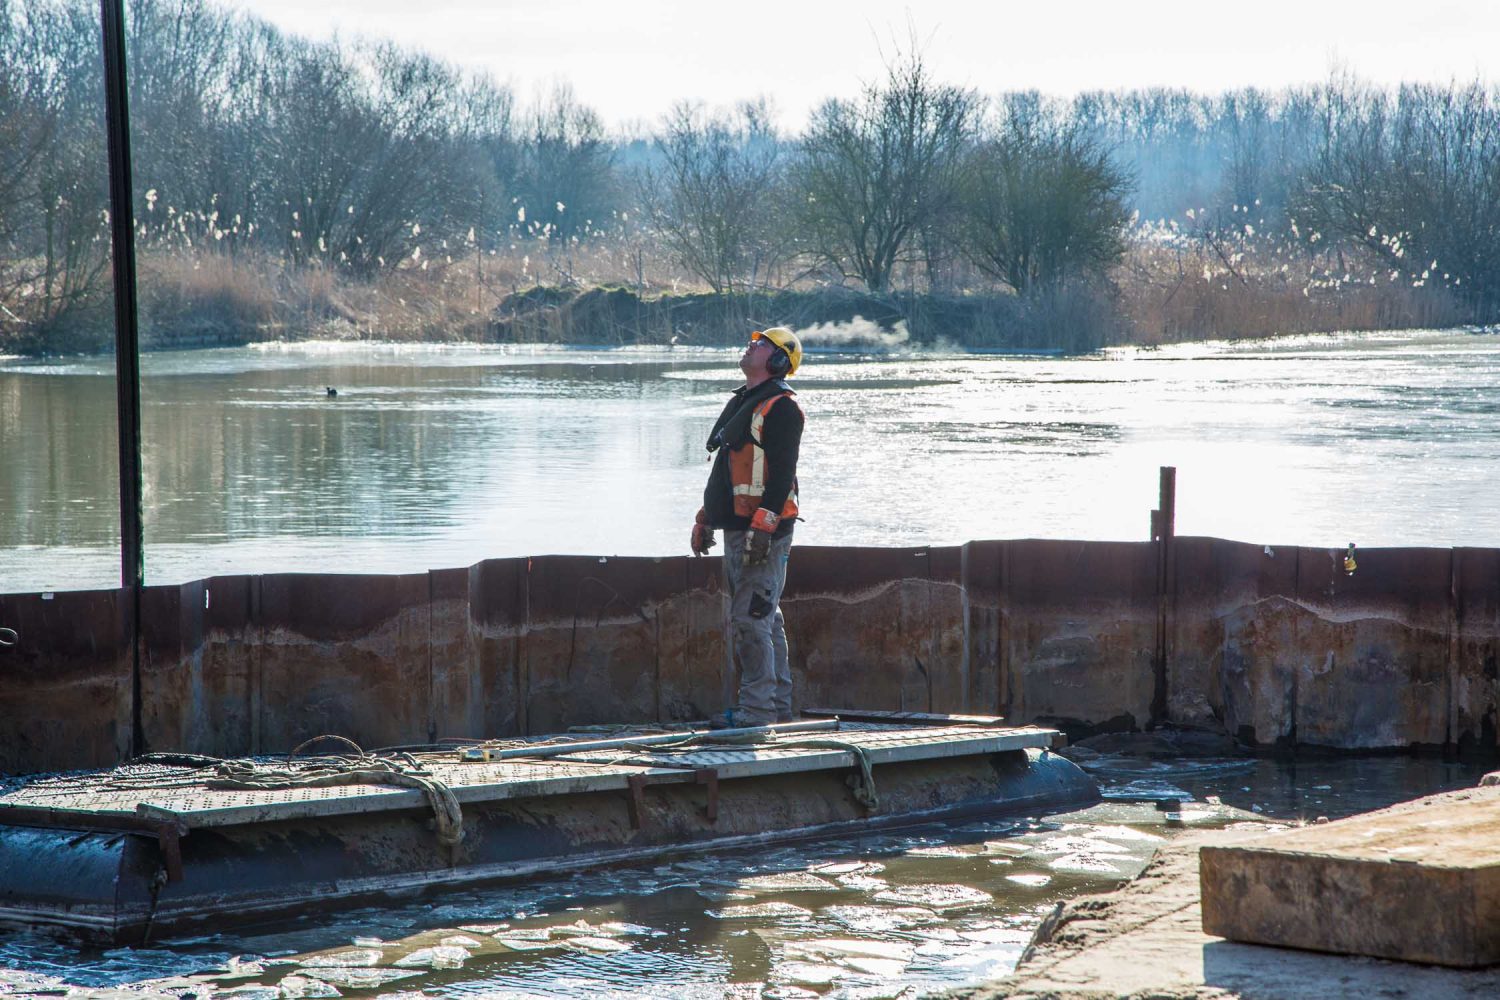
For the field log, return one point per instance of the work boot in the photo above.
(733, 720)
(785, 717)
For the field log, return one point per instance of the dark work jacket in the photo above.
(781, 437)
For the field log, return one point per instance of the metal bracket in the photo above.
(169, 838)
(709, 777)
(637, 801)
(170, 829)
(635, 785)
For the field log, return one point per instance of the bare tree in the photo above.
(1043, 203)
(53, 190)
(364, 146)
(28, 131)
(1411, 179)
(714, 199)
(873, 169)
(182, 61)
(566, 179)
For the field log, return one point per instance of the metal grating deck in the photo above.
(119, 793)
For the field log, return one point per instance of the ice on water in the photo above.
(346, 959)
(297, 987)
(759, 911)
(787, 882)
(362, 979)
(942, 897)
(439, 957)
(881, 919)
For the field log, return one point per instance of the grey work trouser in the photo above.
(757, 632)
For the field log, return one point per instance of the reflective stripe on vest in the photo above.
(747, 467)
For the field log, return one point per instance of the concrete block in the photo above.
(1419, 882)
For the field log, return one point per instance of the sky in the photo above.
(633, 60)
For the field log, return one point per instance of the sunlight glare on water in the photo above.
(442, 456)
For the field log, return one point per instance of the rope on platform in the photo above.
(145, 772)
(399, 769)
(359, 768)
(862, 783)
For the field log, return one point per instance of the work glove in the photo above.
(703, 535)
(758, 538)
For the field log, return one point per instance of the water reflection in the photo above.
(439, 456)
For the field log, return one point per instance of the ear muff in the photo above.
(779, 363)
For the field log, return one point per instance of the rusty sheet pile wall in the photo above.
(1278, 647)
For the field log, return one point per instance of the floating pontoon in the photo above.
(172, 841)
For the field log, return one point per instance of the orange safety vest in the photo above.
(747, 467)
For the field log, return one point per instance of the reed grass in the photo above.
(1158, 294)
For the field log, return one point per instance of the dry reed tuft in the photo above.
(1171, 295)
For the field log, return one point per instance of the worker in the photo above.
(752, 496)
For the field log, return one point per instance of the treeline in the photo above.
(373, 162)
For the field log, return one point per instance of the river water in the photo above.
(441, 456)
(891, 915)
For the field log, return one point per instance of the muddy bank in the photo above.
(229, 304)
(1082, 320)
(616, 316)
(612, 315)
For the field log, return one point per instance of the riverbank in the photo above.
(597, 296)
(1147, 939)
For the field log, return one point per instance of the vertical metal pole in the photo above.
(127, 336)
(1163, 530)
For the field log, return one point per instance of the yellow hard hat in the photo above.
(787, 341)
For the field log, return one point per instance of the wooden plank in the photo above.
(909, 718)
(1416, 882)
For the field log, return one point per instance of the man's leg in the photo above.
(781, 550)
(752, 607)
(783, 669)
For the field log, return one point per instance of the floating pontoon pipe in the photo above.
(557, 749)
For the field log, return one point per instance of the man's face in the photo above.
(757, 353)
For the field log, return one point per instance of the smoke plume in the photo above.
(855, 332)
